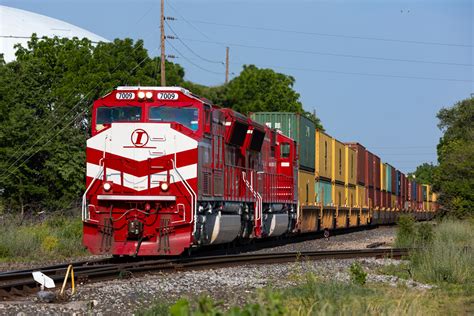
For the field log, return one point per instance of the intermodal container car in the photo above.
(338, 161)
(351, 165)
(377, 172)
(338, 194)
(323, 156)
(362, 163)
(295, 126)
(369, 169)
(306, 193)
(323, 192)
(361, 196)
(383, 177)
(388, 177)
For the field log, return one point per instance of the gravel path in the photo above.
(126, 296)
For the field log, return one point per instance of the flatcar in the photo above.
(169, 172)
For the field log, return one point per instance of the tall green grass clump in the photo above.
(56, 237)
(449, 257)
(406, 232)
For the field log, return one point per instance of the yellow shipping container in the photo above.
(338, 194)
(350, 196)
(323, 155)
(361, 197)
(426, 206)
(394, 201)
(338, 161)
(306, 194)
(383, 173)
(350, 166)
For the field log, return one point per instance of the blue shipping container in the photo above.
(388, 178)
(323, 192)
(413, 191)
(399, 183)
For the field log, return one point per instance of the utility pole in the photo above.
(162, 28)
(226, 65)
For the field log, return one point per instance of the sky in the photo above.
(375, 72)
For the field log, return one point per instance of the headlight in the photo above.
(164, 186)
(107, 186)
(149, 95)
(141, 95)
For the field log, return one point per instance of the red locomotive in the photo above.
(168, 171)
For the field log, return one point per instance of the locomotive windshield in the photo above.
(187, 116)
(107, 114)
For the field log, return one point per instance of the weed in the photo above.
(406, 231)
(56, 237)
(358, 276)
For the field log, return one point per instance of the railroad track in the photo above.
(20, 283)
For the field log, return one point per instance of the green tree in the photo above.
(454, 177)
(424, 173)
(45, 99)
(256, 90)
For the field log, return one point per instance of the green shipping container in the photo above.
(388, 178)
(323, 192)
(295, 126)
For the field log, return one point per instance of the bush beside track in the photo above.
(56, 237)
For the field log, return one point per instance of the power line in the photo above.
(334, 35)
(364, 74)
(191, 62)
(288, 50)
(190, 49)
(185, 20)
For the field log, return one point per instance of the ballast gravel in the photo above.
(232, 285)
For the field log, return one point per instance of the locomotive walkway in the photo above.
(14, 284)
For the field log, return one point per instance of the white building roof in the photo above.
(16, 26)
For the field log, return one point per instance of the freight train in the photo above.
(169, 172)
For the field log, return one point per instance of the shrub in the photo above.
(358, 276)
(406, 231)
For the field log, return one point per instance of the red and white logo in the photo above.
(140, 138)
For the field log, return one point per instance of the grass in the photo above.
(446, 252)
(317, 297)
(445, 259)
(56, 237)
(449, 257)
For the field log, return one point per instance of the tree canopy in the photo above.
(424, 173)
(454, 177)
(45, 99)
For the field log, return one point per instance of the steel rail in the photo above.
(22, 285)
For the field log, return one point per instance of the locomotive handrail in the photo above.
(191, 192)
(85, 214)
(256, 196)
